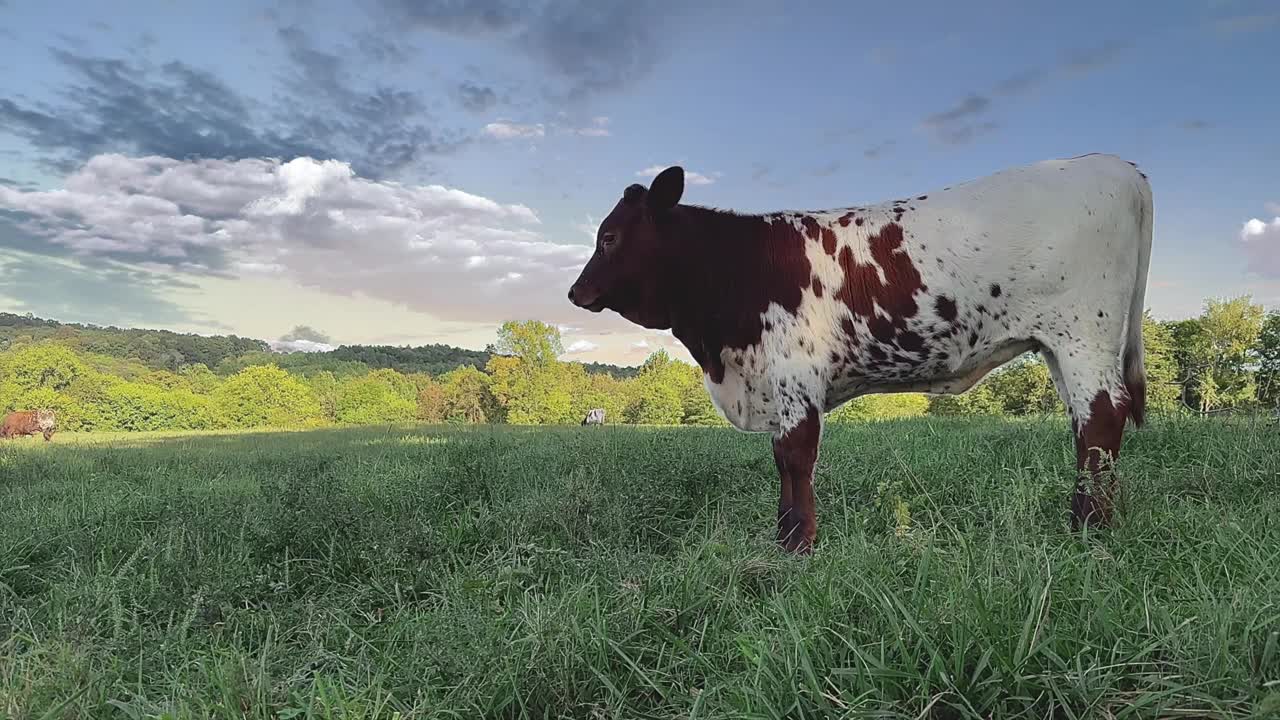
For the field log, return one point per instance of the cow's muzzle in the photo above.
(586, 298)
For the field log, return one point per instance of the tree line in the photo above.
(1228, 358)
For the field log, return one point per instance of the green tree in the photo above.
(468, 397)
(40, 365)
(881, 406)
(200, 378)
(977, 400)
(1163, 390)
(535, 343)
(591, 390)
(165, 379)
(374, 399)
(527, 379)
(1216, 351)
(431, 402)
(654, 395)
(324, 388)
(132, 406)
(696, 401)
(1024, 387)
(1268, 352)
(265, 396)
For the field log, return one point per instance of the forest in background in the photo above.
(95, 378)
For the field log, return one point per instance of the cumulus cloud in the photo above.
(506, 130)
(1256, 228)
(306, 333)
(577, 347)
(1261, 240)
(431, 248)
(690, 177)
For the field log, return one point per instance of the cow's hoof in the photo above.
(796, 540)
(1089, 512)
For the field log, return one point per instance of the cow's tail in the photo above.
(1135, 372)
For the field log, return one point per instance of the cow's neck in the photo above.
(716, 257)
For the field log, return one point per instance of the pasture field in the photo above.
(479, 572)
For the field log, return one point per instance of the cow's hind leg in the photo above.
(795, 451)
(1097, 401)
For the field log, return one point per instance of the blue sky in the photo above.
(450, 159)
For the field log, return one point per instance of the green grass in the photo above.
(627, 573)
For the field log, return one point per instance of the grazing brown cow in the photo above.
(29, 422)
(792, 314)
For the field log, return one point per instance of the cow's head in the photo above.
(46, 420)
(623, 274)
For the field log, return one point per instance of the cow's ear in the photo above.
(666, 189)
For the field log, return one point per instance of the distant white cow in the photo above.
(594, 417)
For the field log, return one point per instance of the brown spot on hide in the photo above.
(946, 308)
(910, 341)
(863, 289)
(881, 329)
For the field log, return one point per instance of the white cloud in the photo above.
(640, 345)
(690, 177)
(506, 130)
(580, 346)
(1261, 242)
(1273, 207)
(289, 346)
(430, 248)
(1257, 228)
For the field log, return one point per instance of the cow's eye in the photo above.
(609, 239)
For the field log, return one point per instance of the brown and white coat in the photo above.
(791, 314)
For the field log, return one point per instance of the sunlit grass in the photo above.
(612, 572)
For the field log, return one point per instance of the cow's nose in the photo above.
(570, 294)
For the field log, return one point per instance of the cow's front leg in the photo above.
(795, 451)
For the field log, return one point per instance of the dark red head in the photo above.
(632, 254)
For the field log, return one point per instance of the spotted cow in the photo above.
(594, 417)
(792, 314)
(29, 422)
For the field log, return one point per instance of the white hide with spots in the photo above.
(1067, 242)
